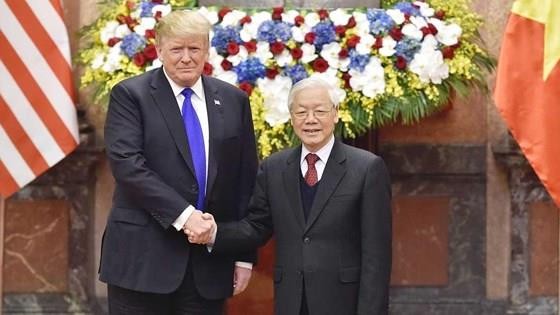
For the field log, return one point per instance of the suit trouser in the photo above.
(184, 301)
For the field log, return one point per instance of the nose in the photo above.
(186, 58)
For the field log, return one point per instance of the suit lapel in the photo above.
(334, 171)
(215, 130)
(292, 173)
(167, 104)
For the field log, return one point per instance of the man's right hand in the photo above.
(199, 227)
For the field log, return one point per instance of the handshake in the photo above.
(200, 228)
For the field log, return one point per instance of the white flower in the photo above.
(362, 23)
(240, 56)
(396, 15)
(308, 53)
(329, 52)
(211, 16)
(113, 60)
(289, 16)
(232, 18)
(146, 23)
(412, 31)
(425, 9)
(122, 30)
(98, 61)
(447, 34)
(298, 34)
(258, 18)
(275, 94)
(364, 46)
(388, 46)
(339, 17)
(215, 60)
(418, 21)
(371, 81)
(429, 65)
(263, 52)
(165, 9)
(312, 19)
(228, 76)
(108, 31)
(284, 58)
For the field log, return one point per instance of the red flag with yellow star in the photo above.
(528, 86)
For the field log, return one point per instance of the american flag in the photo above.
(38, 124)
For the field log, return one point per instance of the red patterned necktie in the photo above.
(311, 176)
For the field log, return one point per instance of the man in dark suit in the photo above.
(329, 207)
(179, 144)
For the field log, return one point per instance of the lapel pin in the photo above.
(217, 102)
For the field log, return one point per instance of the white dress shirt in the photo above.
(323, 154)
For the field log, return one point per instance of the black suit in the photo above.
(155, 181)
(340, 255)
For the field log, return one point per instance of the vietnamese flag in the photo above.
(528, 86)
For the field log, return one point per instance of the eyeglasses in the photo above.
(318, 113)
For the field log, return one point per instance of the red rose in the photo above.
(456, 45)
(139, 59)
(407, 17)
(296, 53)
(400, 63)
(299, 20)
(278, 10)
(208, 69)
(310, 37)
(246, 19)
(247, 87)
(432, 28)
(323, 14)
(340, 30)
(232, 48)
(440, 14)
(346, 77)
(425, 30)
(343, 53)
(378, 42)
(150, 34)
(130, 21)
(113, 41)
(121, 18)
(226, 65)
(130, 5)
(396, 33)
(157, 1)
(223, 11)
(448, 52)
(276, 48)
(353, 41)
(351, 22)
(277, 13)
(271, 73)
(157, 16)
(320, 65)
(251, 46)
(150, 52)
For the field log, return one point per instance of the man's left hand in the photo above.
(241, 277)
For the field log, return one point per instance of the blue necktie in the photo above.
(196, 144)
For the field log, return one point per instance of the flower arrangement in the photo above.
(397, 63)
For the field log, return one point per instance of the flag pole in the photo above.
(2, 221)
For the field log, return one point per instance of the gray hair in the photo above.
(182, 23)
(312, 82)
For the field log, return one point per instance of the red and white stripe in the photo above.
(38, 124)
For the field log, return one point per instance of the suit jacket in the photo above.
(148, 151)
(342, 252)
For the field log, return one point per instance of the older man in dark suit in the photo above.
(179, 144)
(329, 207)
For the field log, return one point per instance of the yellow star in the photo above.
(548, 13)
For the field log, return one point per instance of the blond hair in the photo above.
(182, 23)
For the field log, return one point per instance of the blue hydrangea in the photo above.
(146, 9)
(224, 35)
(357, 61)
(324, 32)
(407, 8)
(379, 21)
(407, 48)
(296, 72)
(250, 70)
(271, 31)
(132, 43)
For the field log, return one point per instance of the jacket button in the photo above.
(306, 240)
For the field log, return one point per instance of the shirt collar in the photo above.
(323, 152)
(177, 89)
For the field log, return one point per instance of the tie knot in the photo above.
(311, 158)
(187, 92)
